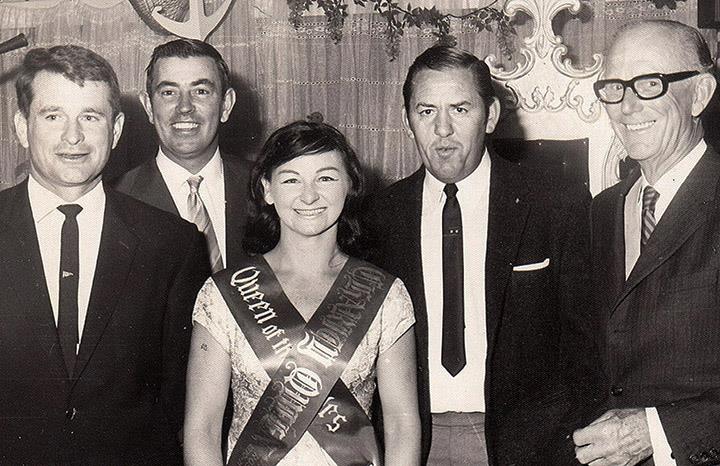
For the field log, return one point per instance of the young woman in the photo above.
(302, 331)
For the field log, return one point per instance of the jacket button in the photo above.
(616, 391)
(694, 458)
(70, 413)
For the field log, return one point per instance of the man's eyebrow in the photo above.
(423, 104)
(198, 82)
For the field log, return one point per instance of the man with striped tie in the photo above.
(188, 95)
(656, 257)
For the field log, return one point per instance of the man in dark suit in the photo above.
(96, 288)
(655, 250)
(187, 97)
(494, 258)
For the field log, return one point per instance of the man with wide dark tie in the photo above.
(96, 288)
(188, 96)
(656, 257)
(495, 259)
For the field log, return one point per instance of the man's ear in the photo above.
(227, 104)
(493, 115)
(266, 191)
(118, 127)
(147, 105)
(21, 129)
(406, 124)
(704, 90)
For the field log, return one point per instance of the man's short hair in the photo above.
(444, 57)
(75, 63)
(686, 37)
(185, 48)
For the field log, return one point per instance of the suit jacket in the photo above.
(124, 403)
(660, 328)
(535, 320)
(146, 184)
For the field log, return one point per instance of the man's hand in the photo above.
(620, 437)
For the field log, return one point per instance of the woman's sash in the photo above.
(305, 362)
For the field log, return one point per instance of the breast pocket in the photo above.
(528, 273)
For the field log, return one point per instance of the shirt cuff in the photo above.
(662, 453)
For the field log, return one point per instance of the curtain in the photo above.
(281, 74)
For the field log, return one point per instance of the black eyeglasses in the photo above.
(646, 86)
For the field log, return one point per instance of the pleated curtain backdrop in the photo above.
(281, 74)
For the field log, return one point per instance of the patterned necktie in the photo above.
(453, 323)
(68, 302)
(650, 197)
(198, 214)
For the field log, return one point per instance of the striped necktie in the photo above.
(198, 214)
(650, 197)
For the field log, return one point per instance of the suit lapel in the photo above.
(24, 262)
(615, 243)
(411, 216)
(235, 211)
(117, 250)
(150, 188)
(508, 213)
(685, 214)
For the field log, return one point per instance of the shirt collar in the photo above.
(176, 175)
(668, 184)
(472, 183)
(43, 202)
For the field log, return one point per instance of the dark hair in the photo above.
(285, 144)
(445, 57)
(75, 63)
(185, 48)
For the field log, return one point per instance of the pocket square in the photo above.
(531, 267)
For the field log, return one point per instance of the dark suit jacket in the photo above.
(660, 328)
(124, 404)
(535, 320)
(145, 183)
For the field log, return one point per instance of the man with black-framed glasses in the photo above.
(656, 257)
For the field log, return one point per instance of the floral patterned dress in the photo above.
(249, 379)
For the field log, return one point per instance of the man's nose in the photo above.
(185, 103)
(443, 125)
(73, 133)
(631, 103)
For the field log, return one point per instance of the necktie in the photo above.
(453, 331)
(198, 214)
(68, 302)
(650, 197)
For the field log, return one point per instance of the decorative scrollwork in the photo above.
(543, 61)
(198, 25)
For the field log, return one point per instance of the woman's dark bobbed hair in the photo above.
(300, 138)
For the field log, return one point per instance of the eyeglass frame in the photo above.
(665, 80)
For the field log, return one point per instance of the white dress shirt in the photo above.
(212, 191)
(667, 186)
(466, 391)
(48, 224)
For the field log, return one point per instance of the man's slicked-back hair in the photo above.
(186, 48)
(687, 38)
(444, 57)
(75, 63)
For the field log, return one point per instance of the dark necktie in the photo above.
(198, 214)
(453, 325)
(650, 197)
(68, 302)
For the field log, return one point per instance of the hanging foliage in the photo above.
(487, 18)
